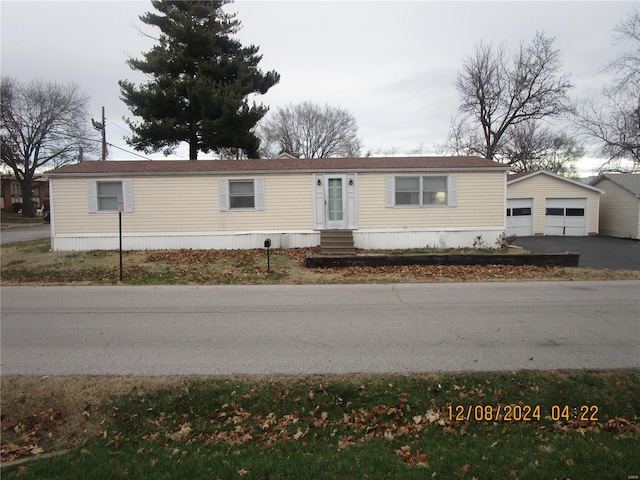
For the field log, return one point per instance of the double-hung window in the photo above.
(241, 194)
(104, 196)
(421, 191)
(407, 191)
(434, 190)
(107, 194)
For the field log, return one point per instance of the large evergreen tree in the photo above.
(201, 80)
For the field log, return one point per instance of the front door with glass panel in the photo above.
(334, 201)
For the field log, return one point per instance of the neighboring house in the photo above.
(620, 204)
(234, 204)
(544, 203)
(11, 193)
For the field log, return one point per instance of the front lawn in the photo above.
(574, 424)
(33, 263)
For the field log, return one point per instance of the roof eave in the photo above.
(555, 175)
(604, 176)
(274, 172)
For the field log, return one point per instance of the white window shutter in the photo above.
(452, 187)
(352, 204)
(390, 194)
(92, 199)
(127, 193)
(258, 190)
(223, 190)
(318, 201)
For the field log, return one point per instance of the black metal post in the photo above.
(267, 244)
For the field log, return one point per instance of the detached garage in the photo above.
(620, 204)
(544, 203)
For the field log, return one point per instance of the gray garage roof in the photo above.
(628, 181)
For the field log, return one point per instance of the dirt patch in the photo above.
(48, 414)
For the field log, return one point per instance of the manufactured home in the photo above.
(386, 203)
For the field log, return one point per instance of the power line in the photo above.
(129, 131)
(122, 129)
(127, 151)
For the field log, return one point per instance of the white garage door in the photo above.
(565, 216)
(519, 217)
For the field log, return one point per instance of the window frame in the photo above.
(242, 197)
(572, 211)
(101, 198)
(554, 212)
(450, 192)
(521, 211)
(93, 203)
(225, 196)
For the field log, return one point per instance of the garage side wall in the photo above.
(540, 187)
(619, 211)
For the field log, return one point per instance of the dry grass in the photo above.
(60, 412)
(33, 263)
(48, 414)
(56, 413)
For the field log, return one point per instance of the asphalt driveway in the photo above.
(595, 252)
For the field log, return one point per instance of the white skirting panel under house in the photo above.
(195, 241)
(484, 237)
(363, 239)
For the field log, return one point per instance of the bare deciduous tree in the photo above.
(614, 122)
(499, 89)
(310, 131)
(529, 147)
(42, 124)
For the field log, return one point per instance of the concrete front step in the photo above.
(337, 242)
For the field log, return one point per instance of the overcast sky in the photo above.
(391, 64)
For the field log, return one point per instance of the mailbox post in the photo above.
(267, 245)
(120, 210)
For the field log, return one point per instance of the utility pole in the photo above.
(102, 127)
(104, 137)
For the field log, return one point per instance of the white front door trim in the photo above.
(335, 197)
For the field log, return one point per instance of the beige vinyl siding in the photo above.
(184, 204)
(541, 187)
(619, 211)
(480, 203)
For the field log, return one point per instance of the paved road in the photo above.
(320, 328)
(595, 252)
(24, 233)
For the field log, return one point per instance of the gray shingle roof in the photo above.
(628, 181)
(159, 167)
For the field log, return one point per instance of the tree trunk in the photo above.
(27, 202)
(193, 151)
(193, 143)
